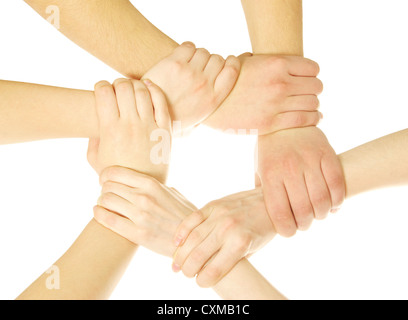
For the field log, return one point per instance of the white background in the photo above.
(47, 189)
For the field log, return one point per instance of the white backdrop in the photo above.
(47, 189)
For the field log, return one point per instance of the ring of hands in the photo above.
(298, 178)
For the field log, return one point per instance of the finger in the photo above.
(229, 255)
(186, 226)
(143, 101)
(227, 78)
(319, 193)
(196, 237)
(214, 67)
(200, 59)
(295, 119)
(334, 176)
(200, 255)
(303, 67)
(299, 201)
(119, 189)
(125, 176)
(114, 203)
(305, 86)
(184, 53)
(125, 95)
(120, 225)
(106, 104)
(160, 106)
(278, 206)
(302, 103)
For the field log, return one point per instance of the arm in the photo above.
(31, 112)
(377, 164)
(231, 228)
(89, 270)
(296, 166)
(92, 267)
(35, 112)
(275, 26)
(131, 44)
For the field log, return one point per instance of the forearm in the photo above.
(244, 282)
(275, 26)
(89, 270)
(34, 112)
(113, 31)
(378, 164)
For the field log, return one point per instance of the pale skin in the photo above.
(132, 45)
(298, 167)
(267, 84)
(31, 112)
(374, 165)
(298, 170)
(126, 118)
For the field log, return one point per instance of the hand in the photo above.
(129, 126)
(141, 209)
(195, 82)
(212, 241)
(272, 93)
(301, 176)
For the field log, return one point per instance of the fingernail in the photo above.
(176, 268)
(178, 241)
(321, 115)
(335, 210)
(147, 82)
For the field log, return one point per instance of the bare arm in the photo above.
(131, 44)
(89, 270)
(92, 267)
(275, 26)
(34, 112)
(305, 174)
(377, 164)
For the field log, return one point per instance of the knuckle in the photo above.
(217, 59)
(279, 63)
(313, 102)
(195, 236)
(106, 199)
(144, 201)
(103, 89)
(319, 86)
(299, 119)
(302, 211)
(108, 187)
(141, 91)
(203, 51)
(112, 173)
(122, 85)
(281, 88)
(242, 243)
(178, 66)
(197, 256)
